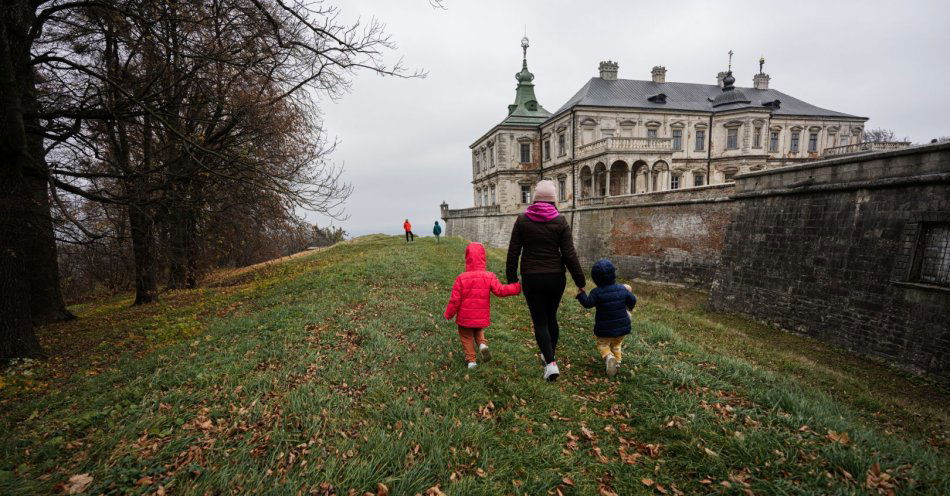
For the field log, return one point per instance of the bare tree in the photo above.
(166, 113)
(881, 135)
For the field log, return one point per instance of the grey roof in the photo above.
(685, 96)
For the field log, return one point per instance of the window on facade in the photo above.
(478, 197)
(675, 181)
(700, 140)
(525, 153)
(677, 139)
(732, 138)
(561, 144)
(492, 189)
(477, 164)
(651, 133)
(773, 141)
(813, 142)
(795, 138)
(845, 140)
(525, 193)
(562, 189)
(757, 137)
(547, 149)
(729, 175)
(699, 179)
(932, 260)
(491, 156)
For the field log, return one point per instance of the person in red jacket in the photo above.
(408, 228)
(470, 302)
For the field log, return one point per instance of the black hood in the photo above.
(603, 273)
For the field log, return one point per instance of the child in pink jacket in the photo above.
(470, 303)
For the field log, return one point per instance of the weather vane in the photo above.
(524, 43)
(761, 63)
(730, 60)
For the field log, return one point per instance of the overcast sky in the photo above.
(404, 143)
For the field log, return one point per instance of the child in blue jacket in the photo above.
(612, 320)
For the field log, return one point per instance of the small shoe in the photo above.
(551, 372)
(472, 365)
(611, 363)
(483, 350)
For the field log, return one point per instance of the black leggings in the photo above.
(543, 293)
(410, 235)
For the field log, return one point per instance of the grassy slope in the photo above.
(337, 369)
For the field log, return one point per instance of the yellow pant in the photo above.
(607, 346)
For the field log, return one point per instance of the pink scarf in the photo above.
(541, 212)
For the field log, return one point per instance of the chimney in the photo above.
(659, 74)
(760, 81)
(720, 77)
(608, 70)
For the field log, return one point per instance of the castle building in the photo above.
(619, 137)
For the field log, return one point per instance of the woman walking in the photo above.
(541, 238)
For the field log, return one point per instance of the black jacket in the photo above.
(544, 248)
(612, 300)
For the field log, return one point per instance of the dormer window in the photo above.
(658, 98)
(774, 104)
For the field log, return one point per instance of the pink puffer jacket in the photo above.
(470, 303)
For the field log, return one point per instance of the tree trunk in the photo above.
(46, 300)
(142, 225)
(16, 328)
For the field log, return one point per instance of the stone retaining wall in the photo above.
(826, 250)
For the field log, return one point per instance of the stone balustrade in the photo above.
(470, 212)
(622, 144)
(883, 146)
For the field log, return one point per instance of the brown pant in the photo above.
(470, 336)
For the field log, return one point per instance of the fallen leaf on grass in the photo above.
(606, 491)
(382, 489)
(568, 481)
(710, 452)
(839, 437)
(434, 491)
(78, 483)
(589, 434)
(647, 482)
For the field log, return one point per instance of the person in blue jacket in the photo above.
(614, 303)
(437, 230)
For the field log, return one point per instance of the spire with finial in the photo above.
(728, 81)
(526, 108)
(761, 63)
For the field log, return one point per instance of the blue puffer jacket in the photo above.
(611, 299)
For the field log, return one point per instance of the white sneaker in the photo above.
(472, 365)
(611, 363)
(486, 355)
(551, 372)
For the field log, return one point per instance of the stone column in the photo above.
(607, 182)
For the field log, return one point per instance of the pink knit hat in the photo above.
(545, 191)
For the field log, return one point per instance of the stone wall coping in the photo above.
(863, 157)
(807, 187)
